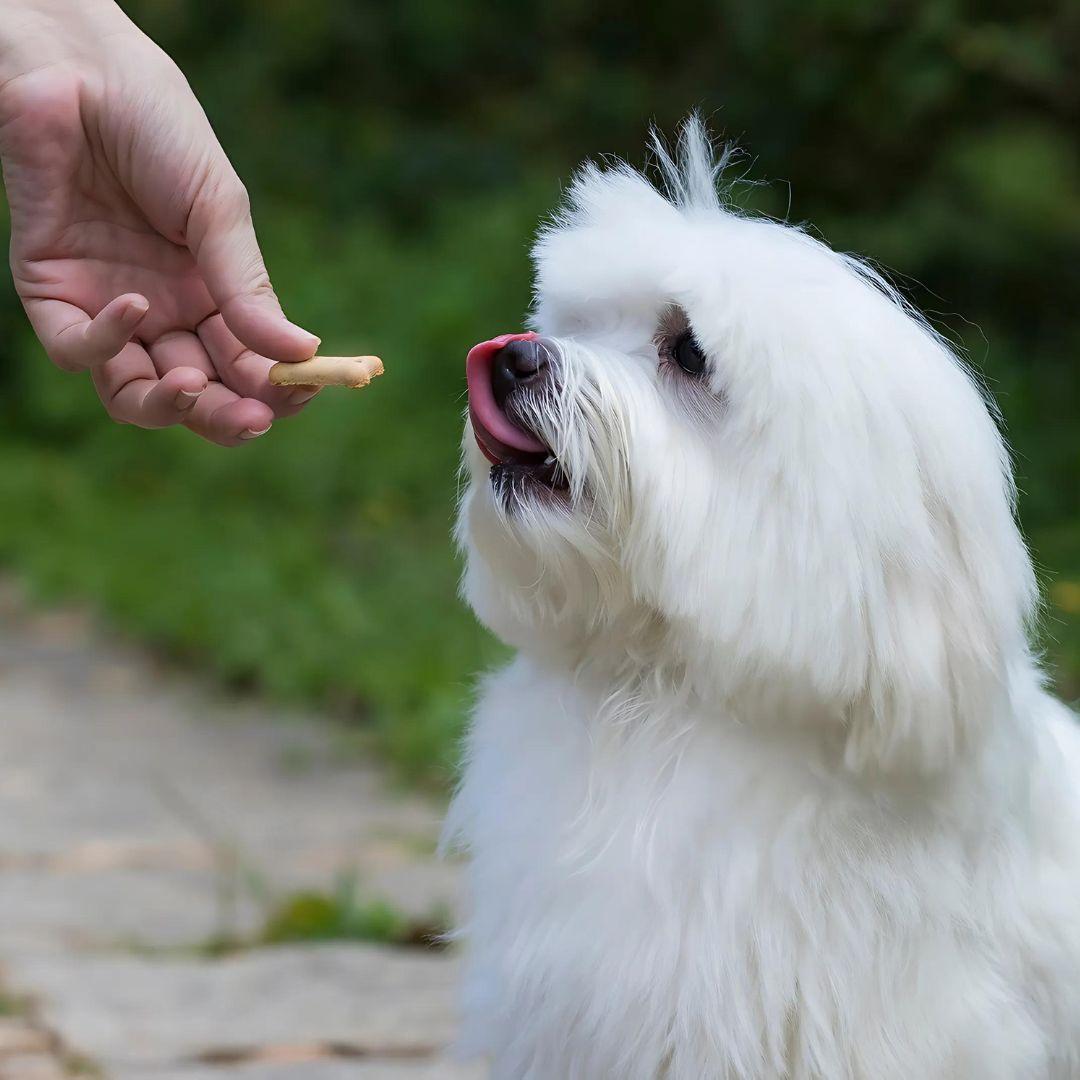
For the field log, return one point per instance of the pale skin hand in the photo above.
(132, 246)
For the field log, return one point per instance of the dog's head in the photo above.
(736, 457)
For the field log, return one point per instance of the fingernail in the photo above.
(251, 434)
(184, 399)
(298, 397)
(137, 307)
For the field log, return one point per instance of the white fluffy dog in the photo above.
(772, 787)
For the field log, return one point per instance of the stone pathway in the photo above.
(141, 819)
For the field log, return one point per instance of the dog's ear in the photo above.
(942, 631)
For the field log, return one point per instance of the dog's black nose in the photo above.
(517, 363)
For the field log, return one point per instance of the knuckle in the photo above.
(114, 410)
(224, 196)
(239, 199)
(250, 282)
(45, 99)
(218, 200)
(63, 361)
(69, 354)
(259, 283)
(157, 408)
(78, 348)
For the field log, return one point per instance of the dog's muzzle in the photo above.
(497, 371)
(507, 376)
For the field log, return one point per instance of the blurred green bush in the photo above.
(399, 157)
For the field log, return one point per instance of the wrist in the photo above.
(37, 33)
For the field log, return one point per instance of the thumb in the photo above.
(222, 239)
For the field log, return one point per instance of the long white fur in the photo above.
(772, 788)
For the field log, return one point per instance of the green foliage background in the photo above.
(399, 156)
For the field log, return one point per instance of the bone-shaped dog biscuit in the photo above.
(351, 371)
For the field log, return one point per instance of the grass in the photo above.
(344, 914)
(79, 1065)
(14, 1005)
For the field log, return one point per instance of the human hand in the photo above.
(132, 246)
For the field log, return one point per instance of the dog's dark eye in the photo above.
(687, 353)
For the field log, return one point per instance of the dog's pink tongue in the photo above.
(490, 423)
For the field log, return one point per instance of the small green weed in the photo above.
(346, 915)
(13, 1004)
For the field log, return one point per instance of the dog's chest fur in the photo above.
(672, 898)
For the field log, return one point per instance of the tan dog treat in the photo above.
(351, 371)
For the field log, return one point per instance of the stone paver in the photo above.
(139, 818)
(363, 999)
(33, 1067)
(17, 1036)
(323, 1070)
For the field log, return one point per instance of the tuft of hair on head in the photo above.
(688, 179)
(691, 177)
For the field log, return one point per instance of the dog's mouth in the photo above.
(512, 450)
